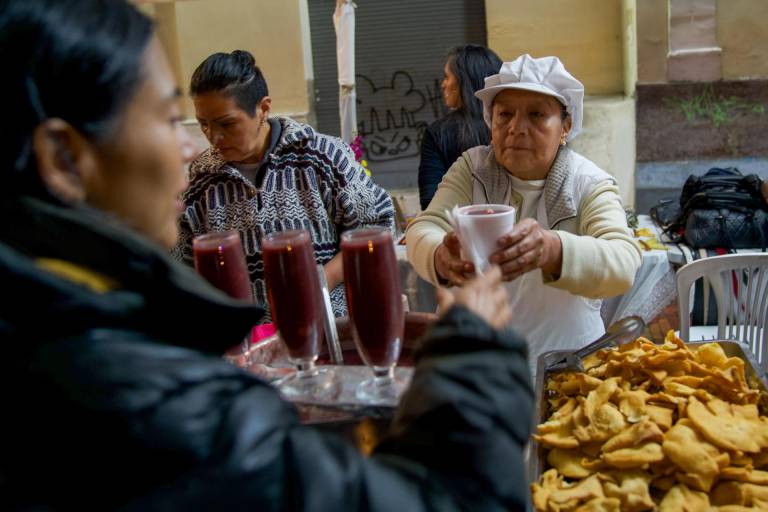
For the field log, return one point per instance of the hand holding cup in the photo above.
(527, 247)
(478, 229)
(483, 295)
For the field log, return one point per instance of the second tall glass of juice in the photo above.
(297, 309)
(376, 308)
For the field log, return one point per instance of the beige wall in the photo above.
(269, 29)
(652, 43)
(167, 32)
(742, 34)
(597, 43)
(608, 139)
(587, 38)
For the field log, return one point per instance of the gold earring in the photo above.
(562, 141)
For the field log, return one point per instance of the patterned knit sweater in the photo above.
(310, 181)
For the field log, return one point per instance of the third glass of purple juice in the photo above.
(376, 308)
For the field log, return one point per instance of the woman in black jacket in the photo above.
(463, 127)
(113, 391)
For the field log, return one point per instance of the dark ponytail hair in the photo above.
(234, 74)
(470, 64)
(78, 60)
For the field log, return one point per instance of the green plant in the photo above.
(718, 109)
(631, 218)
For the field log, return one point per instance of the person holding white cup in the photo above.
(571, 246)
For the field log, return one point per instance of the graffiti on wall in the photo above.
(393, 116)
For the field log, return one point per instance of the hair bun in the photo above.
(244, 61)
(236, 74)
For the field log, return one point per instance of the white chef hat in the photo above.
(546, 75)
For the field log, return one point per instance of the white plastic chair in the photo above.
(740, 286)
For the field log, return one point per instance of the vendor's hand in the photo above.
(448, 263)
(528, 247)
(483, 295)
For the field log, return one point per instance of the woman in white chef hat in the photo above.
(570, 246)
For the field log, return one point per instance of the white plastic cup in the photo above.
(480, 227)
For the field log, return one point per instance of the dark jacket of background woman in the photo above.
(463, 127)
(440, 149)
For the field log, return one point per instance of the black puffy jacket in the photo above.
(114, 395)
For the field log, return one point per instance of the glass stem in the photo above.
(306, 369)
(246, 349)
(383, 377)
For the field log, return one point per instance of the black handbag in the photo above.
(721, 209)
(665, 212)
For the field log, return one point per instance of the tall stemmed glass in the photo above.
(376, 309)
(296, 303)
(220, 259)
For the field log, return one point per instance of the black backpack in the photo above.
(722, 208)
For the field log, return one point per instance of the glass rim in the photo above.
(215, 237)
(498, 209)
(373, 232)
(288, 233)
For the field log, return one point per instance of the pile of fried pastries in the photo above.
(654, 427)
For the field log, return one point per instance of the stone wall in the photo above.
(738, 32)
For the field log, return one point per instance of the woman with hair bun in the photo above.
(264, 174)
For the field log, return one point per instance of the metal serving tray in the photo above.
(344, 405)
(756, 377)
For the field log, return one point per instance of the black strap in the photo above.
(724, 230)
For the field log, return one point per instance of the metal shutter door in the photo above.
(400, 53)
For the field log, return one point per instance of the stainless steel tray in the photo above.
(535, 453)
(344, 404)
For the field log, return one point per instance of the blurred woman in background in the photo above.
(462, 128)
